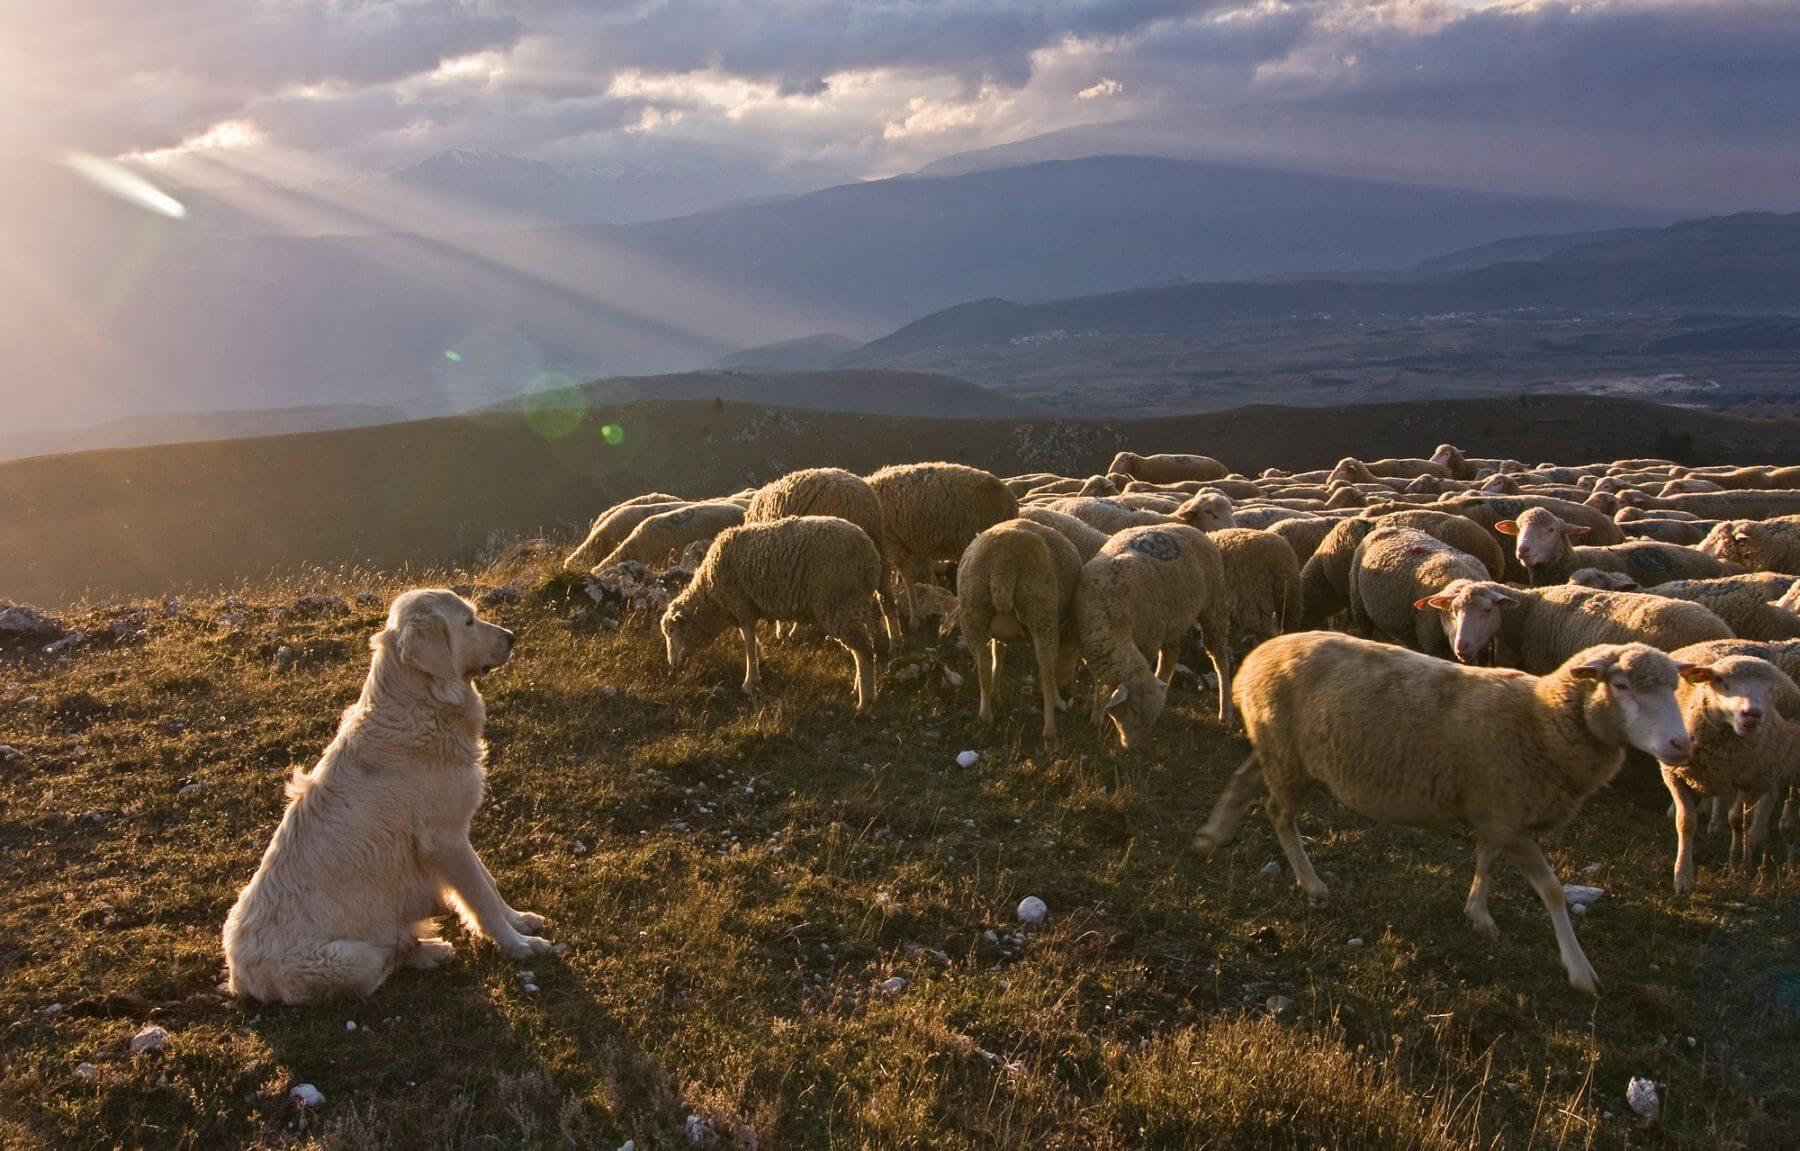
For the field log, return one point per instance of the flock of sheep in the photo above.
(1522, 629)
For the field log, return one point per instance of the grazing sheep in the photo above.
(931, 511)
(1744, 749)
(1167, 469)
(832, 492)
(1108, 515)
(1134, 602)
(1325, 579)
(611, 526)
(1208, 511)
(1262, 579)
(1749, 604)
(1538, 628)
(1770, 545)
(1303, 534)
(1687, 534)
(820, 570)
(1394, 571)
(1404, 738)
(660, 537)
(1086, 538)
(1016, 581)
(1547, 550)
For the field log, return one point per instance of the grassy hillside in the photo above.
(871, 391)
(736, 880)
(145, 521)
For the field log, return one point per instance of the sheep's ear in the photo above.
(1507, 527)
(1741, 535)
(1119, 696)
(1574, 532)
(1593, 669)
(1505, 601)
(1696, 673)
(1435, 602)
(424, 644)
(1631, 585)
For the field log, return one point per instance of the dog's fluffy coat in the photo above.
(375, 840)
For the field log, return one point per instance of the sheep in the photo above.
(1394, 571)
(1537, 629)
(1303, 534)
(1744, 748)
(1097, 486)
(1445, 463)
(931, 511)
(1208, 511)
(661, 536)
(1325, 578)
(611, 526)
(1166, 469)
(1350, 470)
(1016, 581)
(1086, 538)
(1770, 545)
(832, 492)
(1108, 515)
(1548, 553)
(1749, 604)
(821, 570)
(1235, 487)
(1262, 580)
(1491, 510)
(1134, 602)
(1404, 738)
(1183, 488)
(1726, 505)
(1666, 531)
(1265, 515)
(1053, 487)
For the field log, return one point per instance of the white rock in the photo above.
(1271, 869)
(191, 788)
(1032, 910)
(307, 1095)
(151, 1038)
(1578, 909)
(1641, 1094)
(698, 1132)
(349, 1025)
(1592, 870)
(1356, 942)
(527, 977)
(1279, 1005)
(1693, 1042)
(530, 988)
(893, 988)
(578, 847)
(628, 1145)
(967, 758)
(86, 1071)
(1579, 896)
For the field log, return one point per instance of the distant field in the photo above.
(736, 881)
(145, 521)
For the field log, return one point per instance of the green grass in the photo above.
(731, 970)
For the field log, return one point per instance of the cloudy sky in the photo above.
(1675, 103)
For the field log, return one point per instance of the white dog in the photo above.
(375, 840)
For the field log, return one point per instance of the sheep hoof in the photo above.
(1318, 897)
(1484, 927)
(1583, 978)
(1205, 843)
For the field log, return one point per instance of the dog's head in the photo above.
(437, 633)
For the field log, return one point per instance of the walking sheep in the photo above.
(931, 511)
(1168, 469)
(1394, 572)
(1134, 602)
(1548, 552)
(1749, 604)
(1404, 738)
(820, 570)
(1536, 629)
(1325, 578)
(1771, 545)
(1016, 581)
(1262, 582)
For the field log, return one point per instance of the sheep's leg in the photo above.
(903, 569)
(975, 639)
(752, 663)
(1719, 812)
(1477, 907)
(1243, 789)
(1281, 814)
(1221, 661)
(1738, 818)
(1759, 813)
(1790, 809)
(1528, 857)
(862, 649)
(1684, 831)
(1043, 640)
(1167, 660)
(1068, 655)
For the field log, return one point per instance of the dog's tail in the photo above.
(299, 784)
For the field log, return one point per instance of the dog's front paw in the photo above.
(525, 946)
(526, 923)
(430, 954)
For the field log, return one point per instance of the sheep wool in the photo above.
(1087, 539)
(1537, 629)
(1393, 570)
(1168, 469)
(662, 536)
(831, 492)
(1016, 581)
(611, 526)
(931, 511)
(1262, 583)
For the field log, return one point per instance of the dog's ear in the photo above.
(424, 645)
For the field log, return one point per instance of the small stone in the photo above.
(1279, 1005)
(967, 758)
(285, 657)
(349, 1025)
(1032, 910)
(1579, 896)
(628, 1145)
(1693, 1042)
(152, 1038)
(1641, 1095)
(1592, 870)
(50, 1011)
(10, 754)
(527, 976)
(191, 787)
(559, 949)
(893, 988)
(1271, 869)
(86, 1071)
(1578, 910)
(1355, 943)
(697, 1131)
(578, 847)
(529, 988)
(307, 1095)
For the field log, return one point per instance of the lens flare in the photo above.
(553, 407)
(453, 356)
(118, 180)
(613, 434)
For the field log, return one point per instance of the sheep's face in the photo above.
(1734, 541)
(1637, 688)
(1603, 581)
(684, 633)
(437, 632)
(1134, 707)
(1208, 511)
(1470, 614)
(1741, 687)
(582, 557)
(1542, 538)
